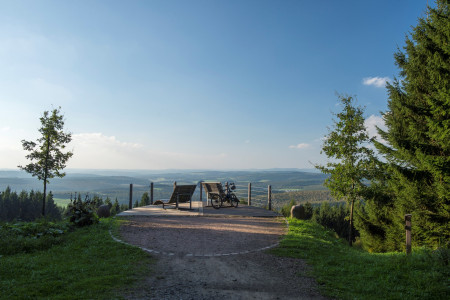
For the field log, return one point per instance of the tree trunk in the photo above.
(43, 200)
(350, 228)
(47, 156)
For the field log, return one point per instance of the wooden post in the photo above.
(130, 204)
(408, 233)
(151, 192)
(201, 199)
(249, 199)
(269, 196)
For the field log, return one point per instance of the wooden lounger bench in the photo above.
(213, 189)
(180, 194)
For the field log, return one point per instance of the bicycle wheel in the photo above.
(216, 201)
(234, 201)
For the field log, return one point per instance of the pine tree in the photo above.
(145, 200)
(351, 159)
(115, 209)
(418, 133)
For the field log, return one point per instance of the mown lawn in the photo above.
(87, 264)
(351, 273)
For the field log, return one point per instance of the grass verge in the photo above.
(88, 264)
(351, 273)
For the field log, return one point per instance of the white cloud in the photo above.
(300, 146)
(379, 82)
(98, 151)
(98, 139)
(371, 123)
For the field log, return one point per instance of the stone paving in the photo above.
(200, 209)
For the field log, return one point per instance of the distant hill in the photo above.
(115, 183)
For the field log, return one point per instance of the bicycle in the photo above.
(217, 199)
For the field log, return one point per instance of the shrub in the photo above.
(30, 236)
(334, 217)
(82, 213)
(286, 209)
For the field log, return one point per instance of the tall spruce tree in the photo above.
(47, 159)
(350, 165)
(418, 135)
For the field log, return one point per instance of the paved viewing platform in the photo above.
(200, 209)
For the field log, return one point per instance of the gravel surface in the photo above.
(216, 258)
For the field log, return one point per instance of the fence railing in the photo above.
(254, 194)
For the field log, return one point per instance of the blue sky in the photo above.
(194, 84)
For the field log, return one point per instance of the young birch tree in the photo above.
(47, 159)
(345, 146)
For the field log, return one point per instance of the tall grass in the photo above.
(350, 273)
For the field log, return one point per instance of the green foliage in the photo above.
(334, 217)
(27, 237)
(123, 207)
(349, 273)
(286, 209)
(47, 159)
(145, 199)
(88, 264)
(26, 206)
(417, 148)
(115, 208)
(82, 213)
(351, 159)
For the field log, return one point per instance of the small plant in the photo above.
(286, 209)
(82, 213)
(28, 237)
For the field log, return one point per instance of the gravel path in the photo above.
(216, 258)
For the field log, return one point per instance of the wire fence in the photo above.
(260, 194)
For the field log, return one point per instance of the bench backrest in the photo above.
(213, 188)
(184, 193)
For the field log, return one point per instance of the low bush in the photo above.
(335, 217)
(82, 213)
(28, 237)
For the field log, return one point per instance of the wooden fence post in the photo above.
(130, 204)
(408, 233)
(269, 196)
(249, 199)
(151, 192)
(201, 194)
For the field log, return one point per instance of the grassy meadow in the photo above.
(351, 273)
(84, 263)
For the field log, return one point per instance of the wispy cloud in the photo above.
(379, 82)
(99, 151)
(300, 146)
(98, 139)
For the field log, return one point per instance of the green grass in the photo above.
(351, 273)
(87, 264)
(61, 202)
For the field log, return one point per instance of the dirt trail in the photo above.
(217, 258)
